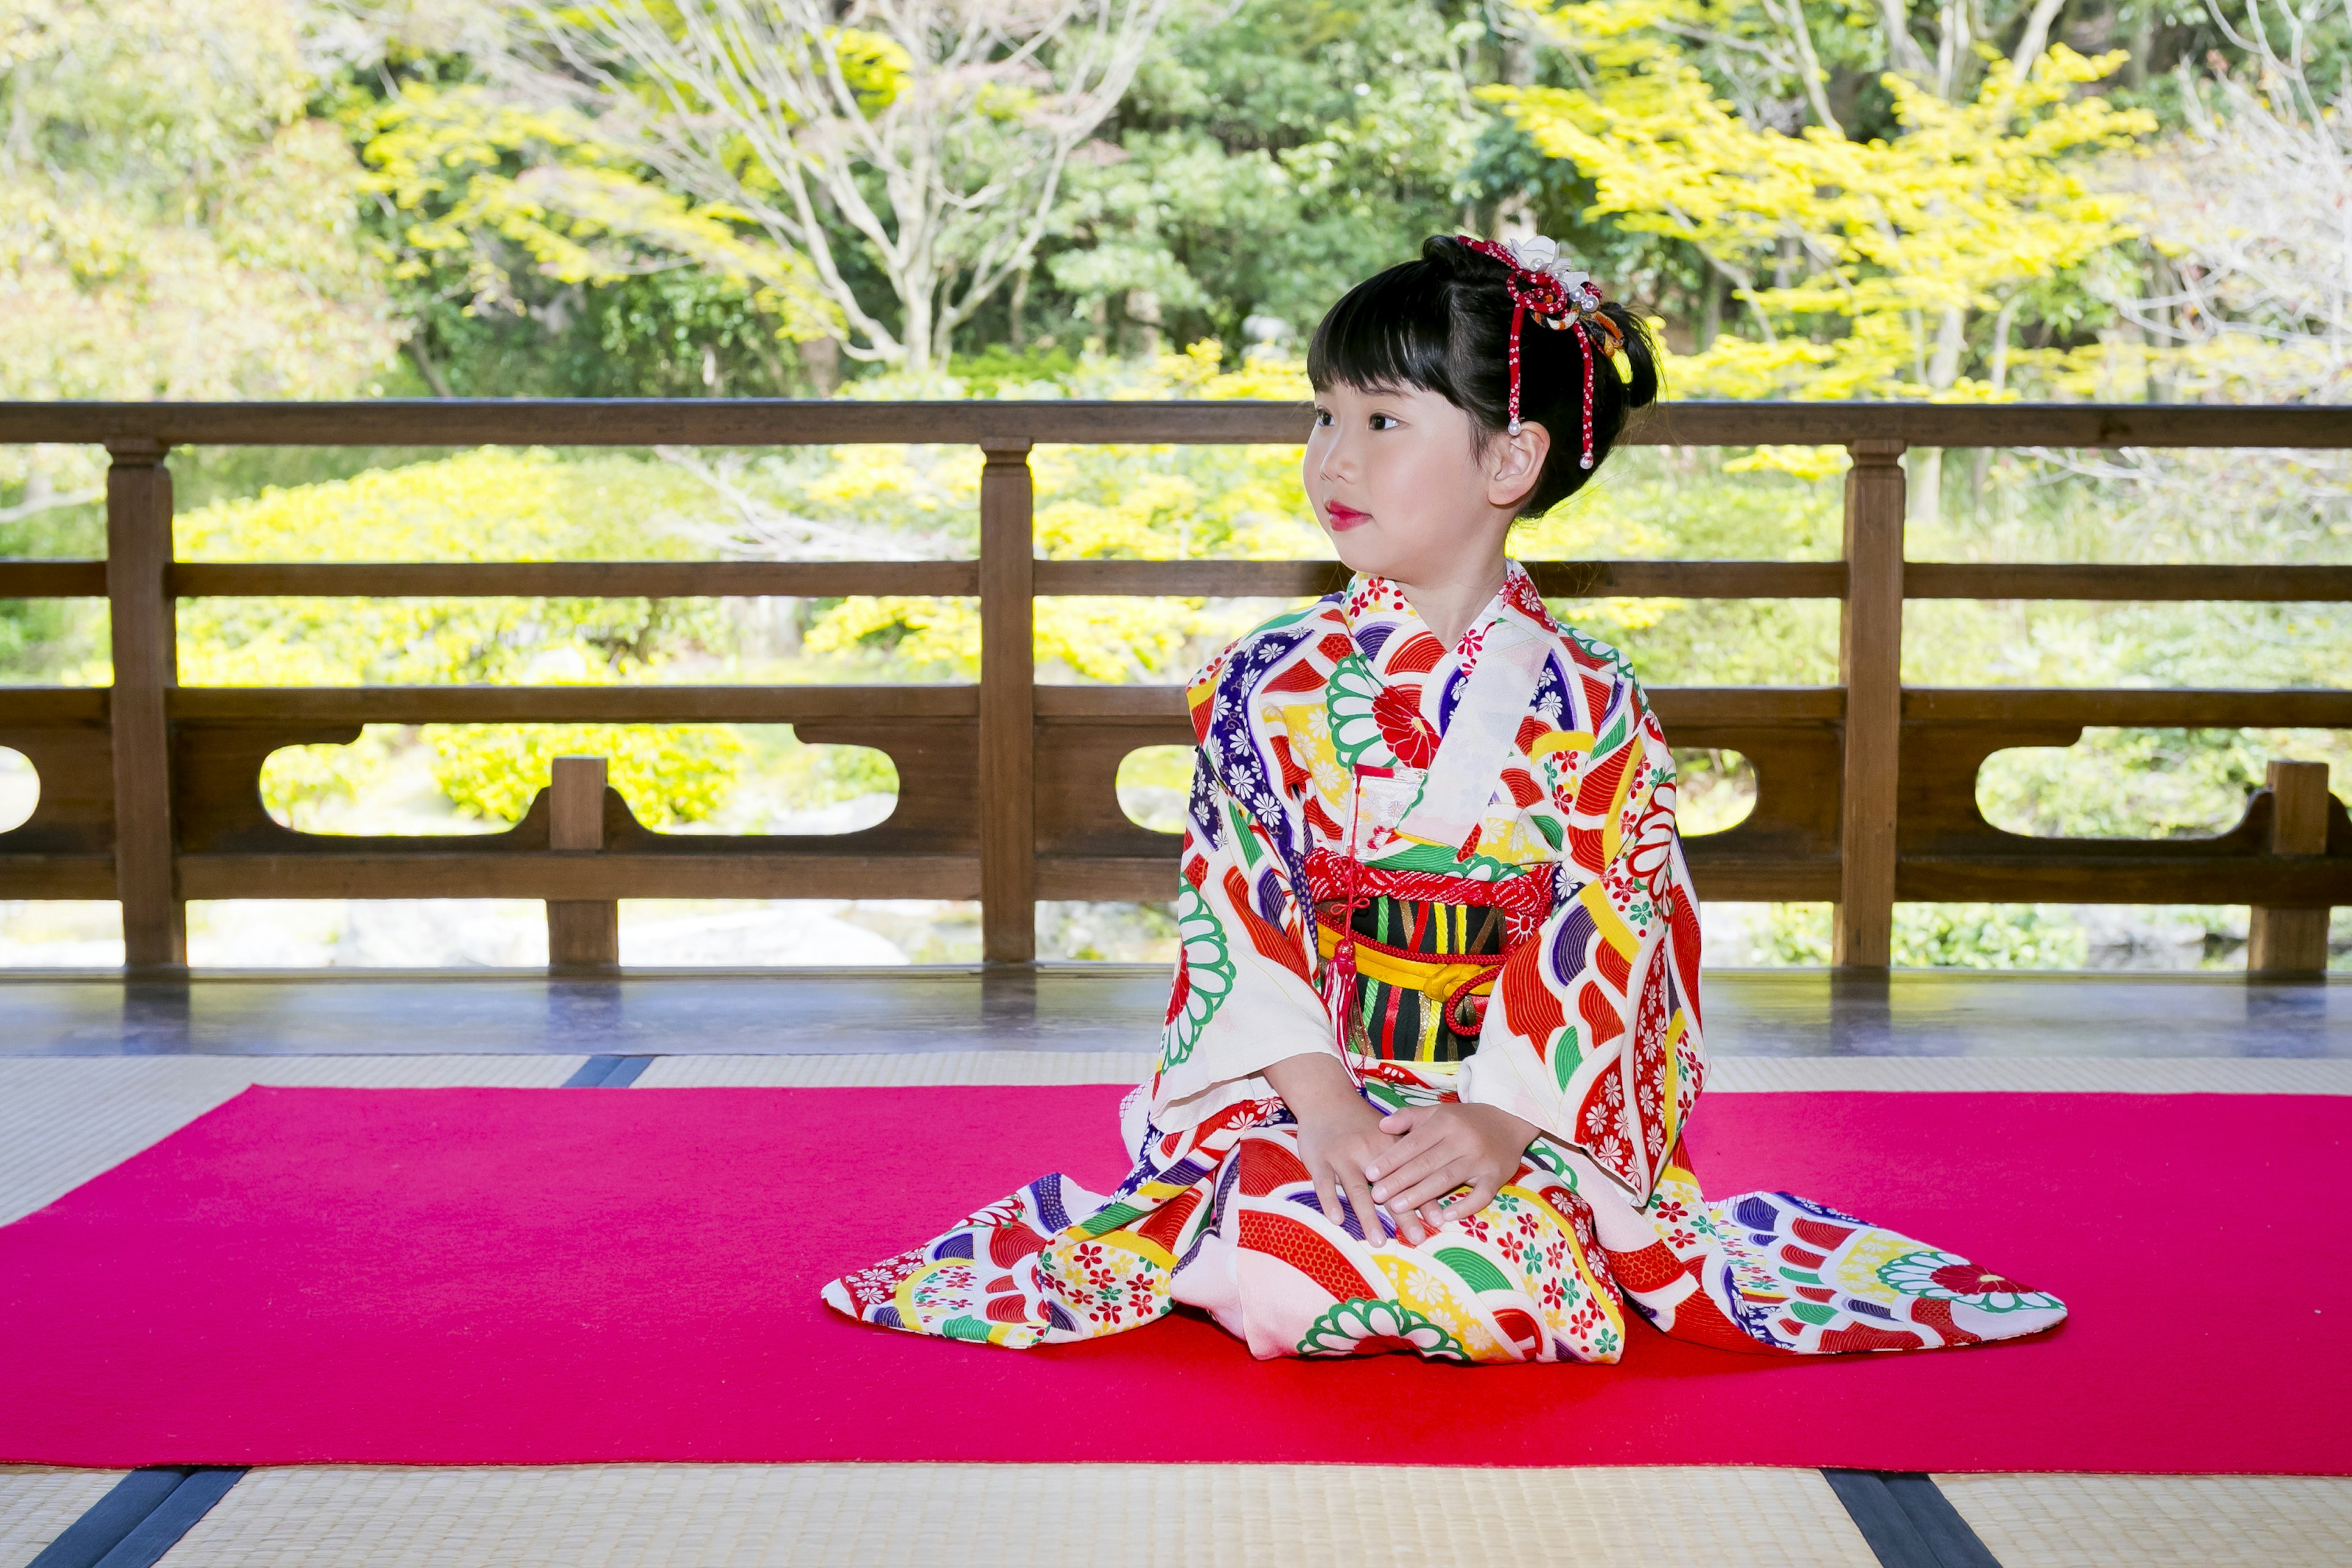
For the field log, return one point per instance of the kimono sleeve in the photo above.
(1244, 996)
(1594, 1034)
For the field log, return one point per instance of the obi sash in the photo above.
(1426, 981)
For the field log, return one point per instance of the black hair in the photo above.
(1444, 324)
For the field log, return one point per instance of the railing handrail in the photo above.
(1206, 578)
(787, 422)
(1007, 787)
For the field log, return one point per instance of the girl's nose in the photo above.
(1338, 459)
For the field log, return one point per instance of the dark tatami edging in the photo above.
(608, 1072)
(141, 1519)
(1907, 1520)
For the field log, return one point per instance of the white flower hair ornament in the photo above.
(1560, 296)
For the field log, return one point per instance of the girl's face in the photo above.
(1397, 479)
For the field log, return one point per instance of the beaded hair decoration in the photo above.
(1562, 298)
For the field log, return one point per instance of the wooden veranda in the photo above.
(1866, 790)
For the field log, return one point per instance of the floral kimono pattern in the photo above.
(1456, 871)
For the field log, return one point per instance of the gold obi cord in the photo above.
(1410, 957)
(1423, 971)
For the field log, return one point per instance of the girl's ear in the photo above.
(1513, 464)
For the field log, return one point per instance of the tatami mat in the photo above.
(65, 1118)
(1137, 1516)
(35, 1505)
(2032, 1075)
(2156, 1522)
(902, 1069)
(1189, 1514)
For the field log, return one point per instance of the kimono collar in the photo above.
(1399, 644)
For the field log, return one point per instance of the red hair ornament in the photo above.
(1559, 297)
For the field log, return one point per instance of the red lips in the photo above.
(1343, 518)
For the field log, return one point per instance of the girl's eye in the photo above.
(1383, 422)
(1322, 416)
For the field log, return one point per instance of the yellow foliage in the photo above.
(466, 167)
(1143, 502)
(668, 773)
(1883, 249)
(937, 634)
(495, 504)
(932, 480)
(1811, 463)
(876, 66)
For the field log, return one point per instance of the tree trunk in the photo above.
(1927, 462)
(1926, 485)
(821, 358)
(425, 367)
(920, 301)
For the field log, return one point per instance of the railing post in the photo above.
(1870, 665)
(144, 633)
(1008, 803)
(583, 935)
(2283, 945)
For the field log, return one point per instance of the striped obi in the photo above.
(1411, 957)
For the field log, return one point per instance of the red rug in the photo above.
(541, 1277)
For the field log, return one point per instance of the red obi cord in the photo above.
(1338, 885)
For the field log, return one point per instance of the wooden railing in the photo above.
(1866, 791)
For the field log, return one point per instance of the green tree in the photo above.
(1274, 153)
(496, 210)
(173, 224)
(931, 139)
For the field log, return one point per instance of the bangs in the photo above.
(1448, 323)
(1389, 332)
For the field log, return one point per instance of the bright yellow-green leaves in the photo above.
(666, 774)
(495, 504)
(1867, 269)
(463, 166)
(489, 505)
(876, 67)
(1093, 503)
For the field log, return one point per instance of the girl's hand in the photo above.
(1340, 1137)
(1440, 1149)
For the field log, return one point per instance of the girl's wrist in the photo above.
(1319, 1091)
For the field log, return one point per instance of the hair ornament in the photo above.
(1558, 295)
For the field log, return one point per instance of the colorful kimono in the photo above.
(1455, 870)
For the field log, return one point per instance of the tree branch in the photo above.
(1808, 65)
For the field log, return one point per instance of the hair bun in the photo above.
(1451, 322)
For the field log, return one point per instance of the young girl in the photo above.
(1435, 1034)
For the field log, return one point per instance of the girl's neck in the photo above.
(1449, 605)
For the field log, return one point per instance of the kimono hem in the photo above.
(1456, 871)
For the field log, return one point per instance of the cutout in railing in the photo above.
(1154, 782)
(458, 779)
(2141, 783)
(20, 789)
(1714, 789)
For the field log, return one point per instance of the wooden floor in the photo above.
(90, 1072)
(1099, 1007)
